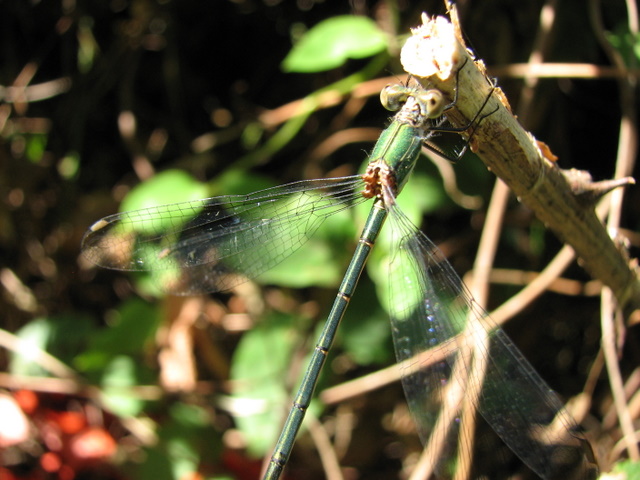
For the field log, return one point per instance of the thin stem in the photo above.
(615, 377)
(326, 451)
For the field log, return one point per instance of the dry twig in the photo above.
(563, 199)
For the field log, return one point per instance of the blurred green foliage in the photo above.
(121, 105)
(333, 42)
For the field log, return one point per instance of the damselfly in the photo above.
(449, 349)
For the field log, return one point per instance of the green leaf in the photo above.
(239, 182)
(313, 264)
(190, 415)
(119, 375)
(35, 146)
(170, 186)
(156, 466)
(365, 333)
(422, 195)
(332, 42)
(61, 336)
(626, 42)
(35, 337)
(136, 322)
(156, 283)
(183, 438)
(257, 373)
(186, 442)
(316, 263)
(627, 467)
(398, 285)
(69, 165)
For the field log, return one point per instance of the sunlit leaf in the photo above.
(334, 41)
(120, 374)
(135, 324)
(35, 147)
(628, 468)
(364, 333)
(69, 165)
(316, 263)
(257, 373)
(386, 264)
(626, 42)
(239, 182)
(61, 336)
(170, 186)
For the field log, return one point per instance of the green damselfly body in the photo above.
(216, 243)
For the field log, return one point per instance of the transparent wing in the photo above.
(440, 333)
(215, 243)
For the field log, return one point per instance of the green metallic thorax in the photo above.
(397, 150)
(399, 147)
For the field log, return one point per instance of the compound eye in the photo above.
(432, 103)
(393, 97)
